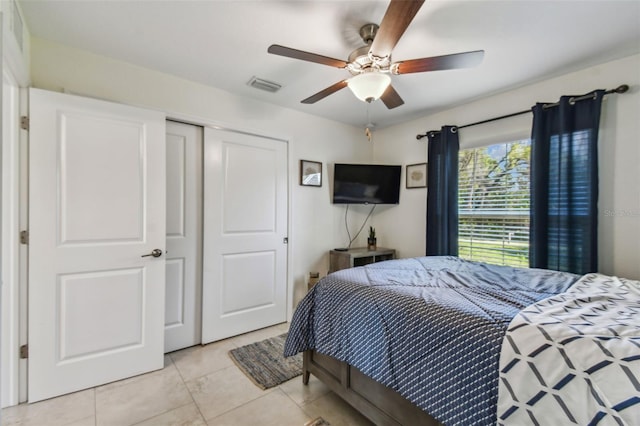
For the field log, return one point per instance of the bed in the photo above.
(417, 341)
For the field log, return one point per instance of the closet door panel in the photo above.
(184, 236)
(245, 225)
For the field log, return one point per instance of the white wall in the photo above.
(403, 227)
(316, 225)
(15, 53)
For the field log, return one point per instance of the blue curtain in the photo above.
(564, 185)
(442, 195)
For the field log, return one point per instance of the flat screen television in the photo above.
(366, 184)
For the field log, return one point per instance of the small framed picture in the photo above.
(417, 175)
(310, 173)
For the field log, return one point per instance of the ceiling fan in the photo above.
(370, 65)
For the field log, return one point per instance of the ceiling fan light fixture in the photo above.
(369, 86)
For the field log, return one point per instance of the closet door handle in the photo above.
(154, 253)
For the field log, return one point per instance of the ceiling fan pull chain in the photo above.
(368, 128)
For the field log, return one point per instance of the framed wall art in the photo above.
(417, 175)
(310, 173)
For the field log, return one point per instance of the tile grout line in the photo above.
(184, 383)
(160, 414)
(166, 411)
(296, 404)
(192, 398)
(268, 392)
(202, 347)
(173, 364)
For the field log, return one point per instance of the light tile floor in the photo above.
(198, 386)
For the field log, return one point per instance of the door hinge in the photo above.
(24, 122)
(24, 237)
(24, 351)
(285, 240)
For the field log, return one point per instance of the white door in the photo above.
(96, 206)
(184, 236)
(245, 224)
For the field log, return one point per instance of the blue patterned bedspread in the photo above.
(430, 328)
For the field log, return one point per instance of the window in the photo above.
(493, 203)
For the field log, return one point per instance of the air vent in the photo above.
(266, 85)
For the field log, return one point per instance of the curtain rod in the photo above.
(620, 89)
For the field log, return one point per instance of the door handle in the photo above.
(154, 253)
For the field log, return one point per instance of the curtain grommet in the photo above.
(454, 129)
(572, 101)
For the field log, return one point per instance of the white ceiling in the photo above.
(224, 43)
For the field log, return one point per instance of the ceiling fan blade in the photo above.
(326, 92)
(439, 63)
(396, 19)
(391, 98)
(276, 49)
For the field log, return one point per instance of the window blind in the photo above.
(493, 203)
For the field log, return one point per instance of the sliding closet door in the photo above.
(184, 236)
(245, 227)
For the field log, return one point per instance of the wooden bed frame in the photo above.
(380, 404)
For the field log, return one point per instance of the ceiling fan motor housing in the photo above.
(360, 60)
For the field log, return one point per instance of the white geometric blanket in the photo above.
(574, 358)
